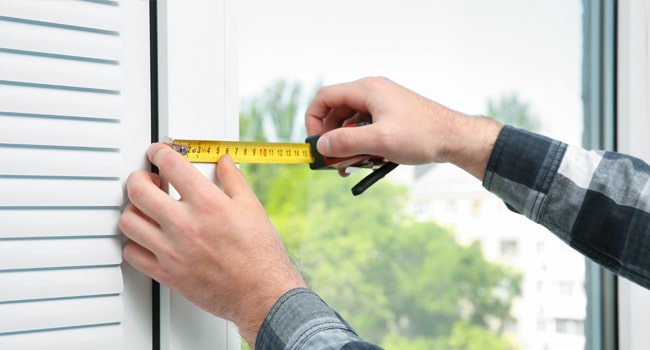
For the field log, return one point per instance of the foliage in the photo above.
(510, 109)
(400, 283)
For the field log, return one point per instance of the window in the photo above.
(566, 288)
(482, 59)
(509, 248)
(568, 326)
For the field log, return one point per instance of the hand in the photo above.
(406, 127)
(216, 248)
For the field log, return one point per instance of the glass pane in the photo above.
(426, 259)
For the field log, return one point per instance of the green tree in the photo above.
(268, 117)
(510, 109)
(400, 283)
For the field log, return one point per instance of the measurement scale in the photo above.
(201, 151)
(210, 151)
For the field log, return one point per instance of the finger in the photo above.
(140, 228)
(358, 118)
(345, 142)
(346, 95)
(232, 179)
(144, 193)
(337, 118)
(144, 261)
(180, 173)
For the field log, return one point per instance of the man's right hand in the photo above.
(406, 128)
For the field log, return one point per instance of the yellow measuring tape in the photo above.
(203, 151)
(210, 151)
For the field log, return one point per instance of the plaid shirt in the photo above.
(597, 202)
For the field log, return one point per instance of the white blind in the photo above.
(61, 110)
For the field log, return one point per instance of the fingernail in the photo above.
(226, 157)
(324, 144)
(152, 151)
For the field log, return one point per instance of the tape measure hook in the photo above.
(182, 149)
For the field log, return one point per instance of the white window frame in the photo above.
(633, 124)
(198, 99)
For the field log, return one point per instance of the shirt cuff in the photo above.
(301, 319)
(521, 168)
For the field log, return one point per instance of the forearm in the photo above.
(594, 201)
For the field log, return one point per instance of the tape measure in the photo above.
(210, 151)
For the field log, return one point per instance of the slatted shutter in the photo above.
(62, 167)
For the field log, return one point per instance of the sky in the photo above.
(458, 52)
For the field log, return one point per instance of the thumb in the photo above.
(348, 141)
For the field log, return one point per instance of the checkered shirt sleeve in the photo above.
(300, 319)
(597, 202)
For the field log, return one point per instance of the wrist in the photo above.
(256, 305)
(475, 137)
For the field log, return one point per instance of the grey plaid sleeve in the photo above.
(597, 202)
(300, 319)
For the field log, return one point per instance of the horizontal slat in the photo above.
(74, 13)
(58, 253)
(51, 284)
(52, 101)
(107, 337)
(51, 314)
(59, 71)
(43, 192)
(59, 132)
(30, 37)
(59, 162)
(25, 223)
(60, 168)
